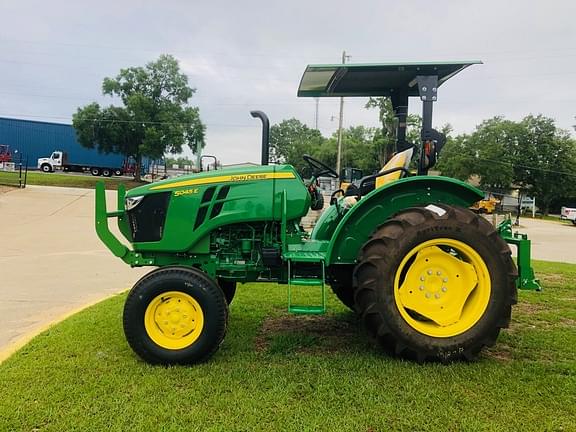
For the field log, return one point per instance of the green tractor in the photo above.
(430, 279)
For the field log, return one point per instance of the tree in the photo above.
(291, 139)
(532, 155)
(154, 118)
(362, 148)
(181, 161)
(389, 124)
(456, 158)
(544, 161)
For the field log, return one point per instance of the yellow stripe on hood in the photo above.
(225, 178)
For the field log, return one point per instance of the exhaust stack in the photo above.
(265, 134)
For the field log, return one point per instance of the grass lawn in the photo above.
(79, 181)
(275, 372)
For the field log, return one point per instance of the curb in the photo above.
(19, 343)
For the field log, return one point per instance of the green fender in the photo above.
(374, 209)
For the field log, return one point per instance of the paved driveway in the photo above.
(51, 261)
(551, 241)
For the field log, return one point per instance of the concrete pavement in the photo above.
(551, 241)
(51, 261)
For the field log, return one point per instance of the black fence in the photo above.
(14, 172)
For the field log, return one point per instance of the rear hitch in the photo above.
(526, 278)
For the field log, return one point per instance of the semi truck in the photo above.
(568, 213)
(5, 154)
(116, 165)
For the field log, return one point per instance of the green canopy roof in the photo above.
(381, 79)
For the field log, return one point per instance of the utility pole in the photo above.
(339, 157)
(317, 100)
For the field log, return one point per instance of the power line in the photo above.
(68, 119)
(527, 167)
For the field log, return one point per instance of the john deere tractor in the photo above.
(430, 279)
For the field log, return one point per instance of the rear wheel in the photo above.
(341, 284)
(95, 171)
(345, 294)
(175, 315)
(106, 172)
(435, 283)
(118, 172)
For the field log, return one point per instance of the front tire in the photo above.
(46, 168)
(435, 283)
(175, 315)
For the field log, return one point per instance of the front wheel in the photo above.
(435, 283)
(46, 168)
(175, 315)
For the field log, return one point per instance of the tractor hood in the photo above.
(180, 214)
(232, 175)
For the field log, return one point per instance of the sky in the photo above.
(242, 56)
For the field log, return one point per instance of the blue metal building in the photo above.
(36, 139)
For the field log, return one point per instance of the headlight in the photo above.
(132, 202)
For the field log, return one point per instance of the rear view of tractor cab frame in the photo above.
(430, 279)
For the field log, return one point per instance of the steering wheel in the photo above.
(319, 168)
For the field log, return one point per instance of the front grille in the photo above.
(148, 218)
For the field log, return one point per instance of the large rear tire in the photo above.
(341, 284)
(175, 315)
(435, 283)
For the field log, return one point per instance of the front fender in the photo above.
(374, 209)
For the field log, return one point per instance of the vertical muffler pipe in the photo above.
(265, 134)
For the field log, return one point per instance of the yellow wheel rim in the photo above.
(174, 320)
(442, 287)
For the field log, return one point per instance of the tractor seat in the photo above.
(394, 169)
(399, 160)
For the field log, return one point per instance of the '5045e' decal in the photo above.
(185, 192)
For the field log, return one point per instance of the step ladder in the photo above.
(317, 281)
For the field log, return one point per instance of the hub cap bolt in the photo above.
(438, 273)
(444, 289)
(429, 272)
(445, 280)
(427, 295)
(437, 295)
(421, 287)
